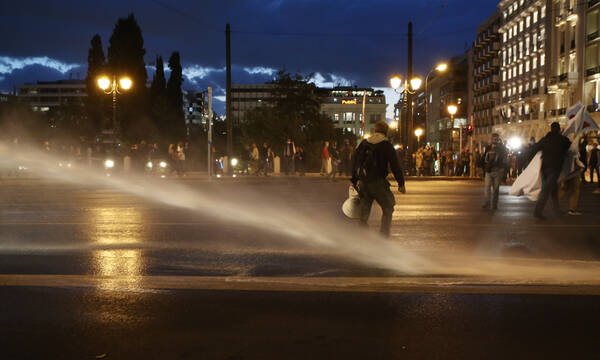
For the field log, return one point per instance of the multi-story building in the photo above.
(246, 97)
(591, 41)
(342, 104)
(525, 33)
(45, 95)
(484, 78)
(447, 88)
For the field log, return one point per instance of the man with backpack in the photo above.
(369, 176)
(494, 164)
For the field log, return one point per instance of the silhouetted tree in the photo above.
(176, 125)
(158, 98)
(95, 103)
(126, 58)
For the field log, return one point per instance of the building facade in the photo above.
(342, 104)
(45, 95)
(484, 78)
(444, 89)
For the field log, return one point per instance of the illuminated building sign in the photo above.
(348, 101)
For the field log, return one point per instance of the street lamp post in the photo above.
(439, 68)
(113, 88)
(415, 84)
(452, 109)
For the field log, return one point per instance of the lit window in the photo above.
(542, 59)
(528, 21)
(521, 26)
(527, 66)
(534, 42)
(509, 92)
(535, 15)
(543, 12)
(515, 30)
(504, 13)
(534, 63)
(520, 49)
(520, 89)
(527, 45)
(542, 82)
(534, 84)
(527, 86)
(509, 34)
(514, 71)
(504, 37)
(521, 2)
(520, 69)
(503, 75)
(503, 93)
(541, 106)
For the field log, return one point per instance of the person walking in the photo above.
(300, 161)
(554, 147)
(583, 158)
(346, 158)
(289, 152)
(264, 159)
(494, 165)
(334, 153)
(255, 158)
(593, 163)
(428, 157)
(325, 159)
(449, 162)
(369, 176)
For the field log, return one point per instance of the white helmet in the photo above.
(351, 207)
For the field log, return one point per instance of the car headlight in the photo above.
(149, 164)
(163, 164)
(109, 164)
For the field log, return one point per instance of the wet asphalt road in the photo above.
(78, 261)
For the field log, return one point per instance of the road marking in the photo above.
(302, 284)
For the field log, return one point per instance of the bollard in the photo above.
(126, 164)
(277, 165)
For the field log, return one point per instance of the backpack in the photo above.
(367, 162)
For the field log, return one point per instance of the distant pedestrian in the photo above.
(583, 158)
(289, 152)
(264, 159)
(325, 159)
(334, 153)
(554, 147)
(346, 158)
(494, 166)
(369, 176)
(593, 163)
(255, 156)
(300, 161)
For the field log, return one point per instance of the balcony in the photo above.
(592, 71)
(562, 111)
(562, 77)
(593, 36)
(535, 91)
(534, 115)
(591, 3)
(553, 113)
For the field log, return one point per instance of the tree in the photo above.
(295, 112)
(95, 104)
(176, 125)
(158, 97)
(126, 58)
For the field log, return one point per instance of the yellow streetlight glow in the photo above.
(125, 83)
(418, 132)
(415, 83)
(393, 124)
(103, 82)
(452, 109)
(442, 67)
(395, 82)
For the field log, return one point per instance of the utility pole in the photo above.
(209, 132)
(228, 110)
(409, 119)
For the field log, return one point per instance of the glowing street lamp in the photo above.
(113, 88)
(418, 133)
(415, 84)
(452, 109)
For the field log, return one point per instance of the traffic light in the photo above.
(470, 129)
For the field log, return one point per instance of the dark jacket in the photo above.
(554, 148)
(385, 155)
(494, 160)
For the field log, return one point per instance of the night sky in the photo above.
(351, 42)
